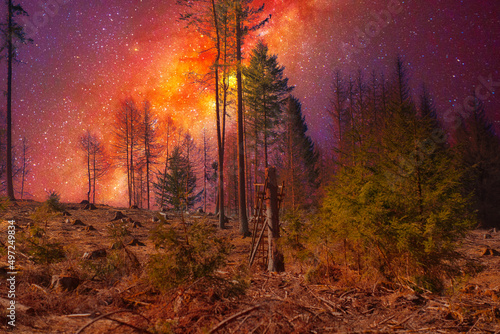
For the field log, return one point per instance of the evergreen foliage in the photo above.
(185, 257)
(265, 91)
(177, 184)
(396, 200)
(477, 149)
(300, 159)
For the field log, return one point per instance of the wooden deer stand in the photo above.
(266, 227)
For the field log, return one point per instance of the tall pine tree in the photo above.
(301, 158)
(477, 148)
(266, 89)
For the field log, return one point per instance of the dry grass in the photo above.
(115, 295)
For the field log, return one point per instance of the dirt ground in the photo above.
(271, 303)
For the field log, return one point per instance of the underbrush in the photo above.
(185, 254)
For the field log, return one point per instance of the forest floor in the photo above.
(124, 302)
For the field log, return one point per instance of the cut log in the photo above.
(90, 207)
(118, 215)
(95, 254)
(78, 222)
(64, 282)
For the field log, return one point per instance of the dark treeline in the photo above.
(401, 194)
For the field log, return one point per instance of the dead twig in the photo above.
(327, 303)
(387, 319)
(136, 302)
(82, 315)
(38, 287)
(234, 316)
(241, 323)
(118, 321)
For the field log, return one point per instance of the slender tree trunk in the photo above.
(217, 112)
(147, 148)
(94, 176)
(88, 166)
(290, 154)
(162, 200)
(256, 152)
(127, 141)
(24, 167)
(265, 131)
(132, 171)
(10, 50)
(247, 169)
(147, 183)
(204, 172)
(242, 207)
(225, 88)
(187, 175)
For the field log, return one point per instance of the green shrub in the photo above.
(185, 254)
(40, 248)
(117, 263)
(50, 208)
(407, 235)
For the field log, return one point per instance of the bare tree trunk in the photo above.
(162, 201)
(276, 259)
(94, 175)
(88, 166)
(290, 154)
(241, 144)
(10, 50)
(204, 172)
(219, 134)
(247, 170)
(127, 140)
(265, 131)
(132, 171)
(25, 148)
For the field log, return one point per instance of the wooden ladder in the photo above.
(260, 249)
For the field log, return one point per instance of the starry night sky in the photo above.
(89, 54)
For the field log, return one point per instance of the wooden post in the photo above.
(276, 261)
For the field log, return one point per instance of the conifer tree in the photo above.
(265, 91)
(301, 158)
(399, 204)
(244, 17)
(477, 147)
(177, 186)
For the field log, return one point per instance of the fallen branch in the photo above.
(241, 323)
(387, 319)
(82, 315)
(224, 322)
(118, 321)
(330, 305)
(136, 302)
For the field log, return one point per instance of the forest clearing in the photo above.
(236, 299)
